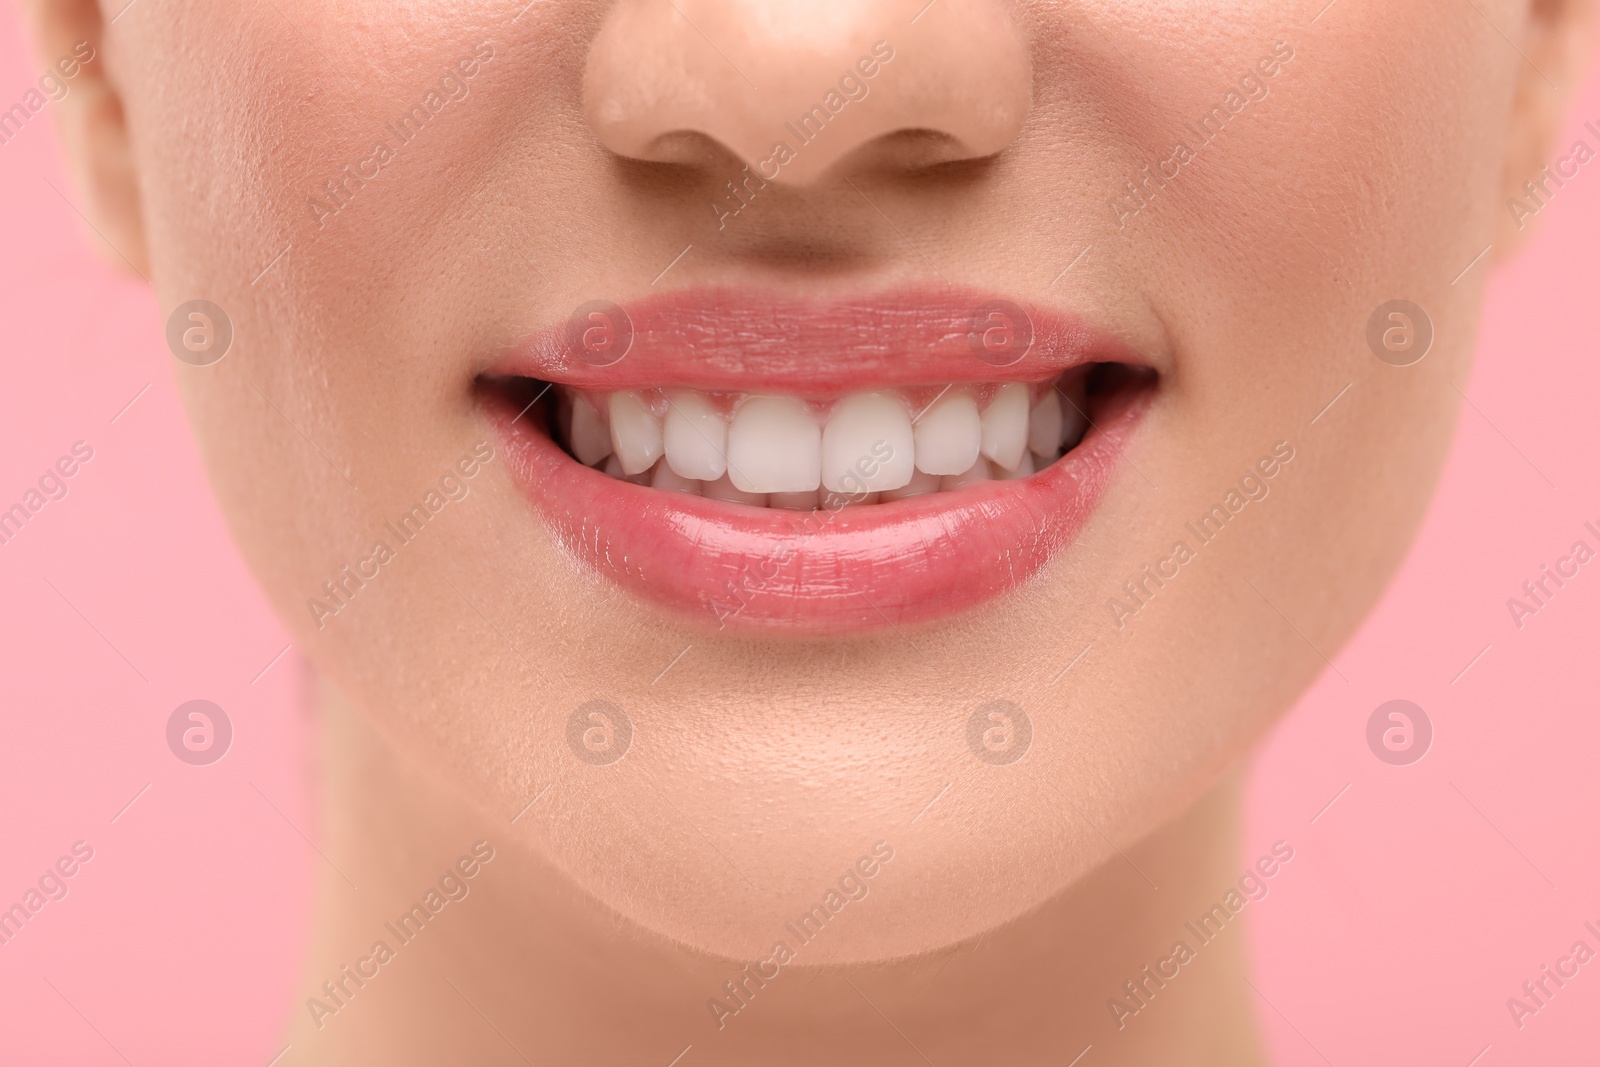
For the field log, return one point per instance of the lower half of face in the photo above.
(952, 514)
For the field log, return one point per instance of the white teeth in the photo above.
(1044, 425)
(775, 446)
(921, 484)
(724, 489)
(635, 433)
(590, 437)
(949, 434)
(662, 476)
(978, 472)
(774, 453)
(695, 437)
(1005, 425)
(868, 445)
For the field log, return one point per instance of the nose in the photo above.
(793, 87)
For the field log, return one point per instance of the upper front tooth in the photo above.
(1044, 425)
(589, 437)
(695, 437)
(635, 433)
(774, 446)
(868, 445)
(1005, 425)
(948, 435)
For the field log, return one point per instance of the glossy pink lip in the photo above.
(750, 341)
(823, 572)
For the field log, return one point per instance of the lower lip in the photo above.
(824, 572)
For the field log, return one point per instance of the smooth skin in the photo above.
(989, 154)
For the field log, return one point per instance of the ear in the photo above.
(1555, 39)
(68, 37)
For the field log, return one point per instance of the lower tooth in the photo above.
(978, 472)
(724, 489)
(613, 467)
(1023, 469)
(793, 501)
(663, 476)
(831, 501)
(921, 484)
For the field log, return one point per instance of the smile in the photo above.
(770, 465)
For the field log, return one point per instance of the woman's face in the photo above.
(415, 215)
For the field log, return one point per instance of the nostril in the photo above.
(689, 150)
(665, 80)
(911, 151)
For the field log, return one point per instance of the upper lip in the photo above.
(749, 340)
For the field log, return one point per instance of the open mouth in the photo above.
(803, 455)
(772, 466)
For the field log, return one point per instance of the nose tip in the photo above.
(793, 87)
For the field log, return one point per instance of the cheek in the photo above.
(341, 350)
(1370, 172)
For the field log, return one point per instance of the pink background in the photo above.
(1416, 904)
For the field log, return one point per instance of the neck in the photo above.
(524, 967)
